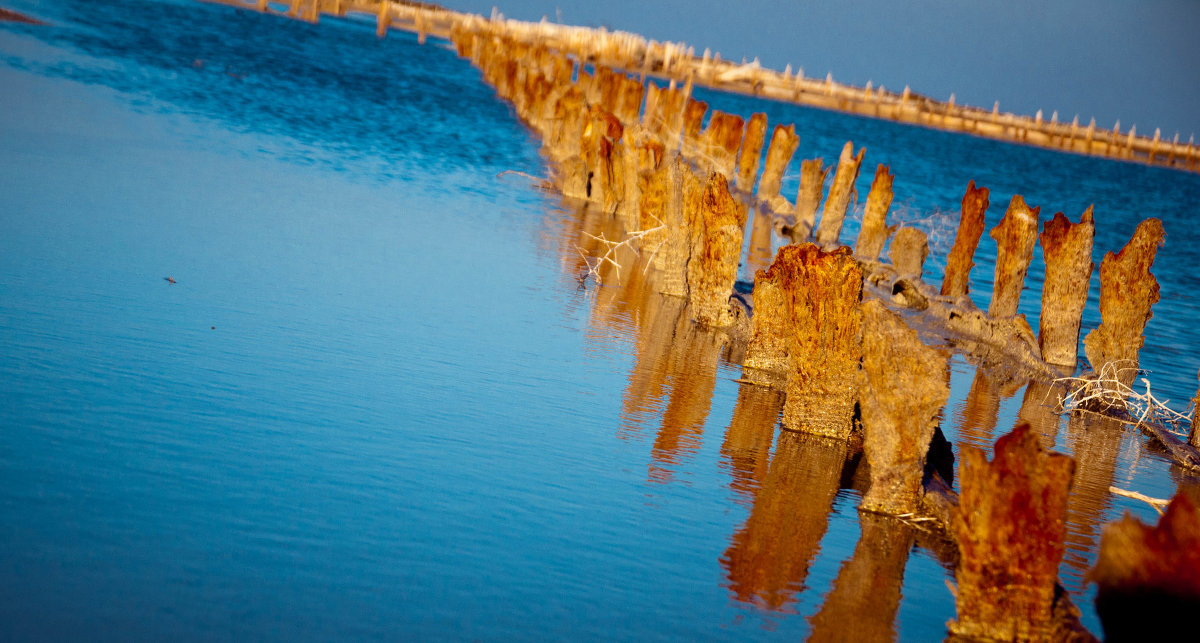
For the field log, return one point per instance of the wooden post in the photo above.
(1067, 249)
(838, 200)
(1010, 531)
(716, 224)
(783, 145)
(262, 5)
(1129, 141)
(823, 291)
(1128, 290)
(384, 18)
(1171, 153)
(957, 281)
(1091, 132)
(1194, 436)
(1154, 144)
(722, 140)
(808, 197)
(902, 389)
(1116, 133)
(909, 249)
(749, 156)
(1140, 570)
(1015, 237)
(874, 231)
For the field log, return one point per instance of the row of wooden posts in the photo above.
(851, 367)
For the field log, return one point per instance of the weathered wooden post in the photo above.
(874, 231)
(909, 249)
(1148, 578)
(808, 197)
(1194, 436)
(748, 157)
(767, 349)
(1015, 237)
(716, 223)
(1067, 249)
(384, 18)
(902, 387)
(783, 145)
(1127, 292)
(838, 200)
(957, 281)
(823, 295)
(693, 117)
(722, 140)
(1010, 532)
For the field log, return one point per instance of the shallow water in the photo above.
(377, 402)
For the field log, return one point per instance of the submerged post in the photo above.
(1015, 236)
(1128, 290)
(908, 251)
(823, 295)
(838, 200)
(1067, 248)
(1010, 531)
(902, 388)
(957, 281)
(874, 231)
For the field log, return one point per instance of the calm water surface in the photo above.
(377, 403)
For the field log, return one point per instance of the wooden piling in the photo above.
(840, 193)
(874, 231)
(1194, 436)
(783, 145)
(767, 349)
(383, 19)
(1010, 529)
(957, 281)
(716, 224)
(1128, 290)
(1067, 249)
(908, 251)
(808, 197)
(751, 151)
(1015, 237)
(722, 140)
(823, 292)
(902, 388)
(1148, 578)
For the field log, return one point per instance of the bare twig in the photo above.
(1157, 503)
(1104, 392)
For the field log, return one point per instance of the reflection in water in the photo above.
(981, 410)
(1038, 408)
(866, 594)
(770, 555)
(747, 444)
(1096, 443)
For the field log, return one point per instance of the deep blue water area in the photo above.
(377, 403)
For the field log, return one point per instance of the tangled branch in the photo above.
(1104, 392)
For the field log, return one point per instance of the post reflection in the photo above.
(866, 594)
(981, 410)
(769, 557)
(747, 447)
(1096, 444)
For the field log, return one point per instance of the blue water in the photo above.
(376, 403)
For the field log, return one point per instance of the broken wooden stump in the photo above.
(1148, 578)
(768, 346)
(693, 118)
(823, 295)
(661, 215)
(902, 387)
(751, 151)
(808, 198)
(838, 201)
(1015, 237)
(908, 252)
(722, 140)
(874, 231)
(783, 145)
(1010, 531)
(716, 223)
(957, 282)
(1128, 290)
(1067, 248)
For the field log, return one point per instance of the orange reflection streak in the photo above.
(769, 557)
(981, 411)
(1096, 444)
(747, 445)
(866, 593)
(1038, 408)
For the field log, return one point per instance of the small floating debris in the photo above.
(169, 280)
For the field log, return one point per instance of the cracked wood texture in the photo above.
(808, 197)
(838, 200)
(716, 223)
(1067, 249)
(722, 140)
(957, 281)
(902, 387)
(874, 224)
(1015, 237)
(1010, 528)
(1128, 290)
(908, 251)
(823, 298)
